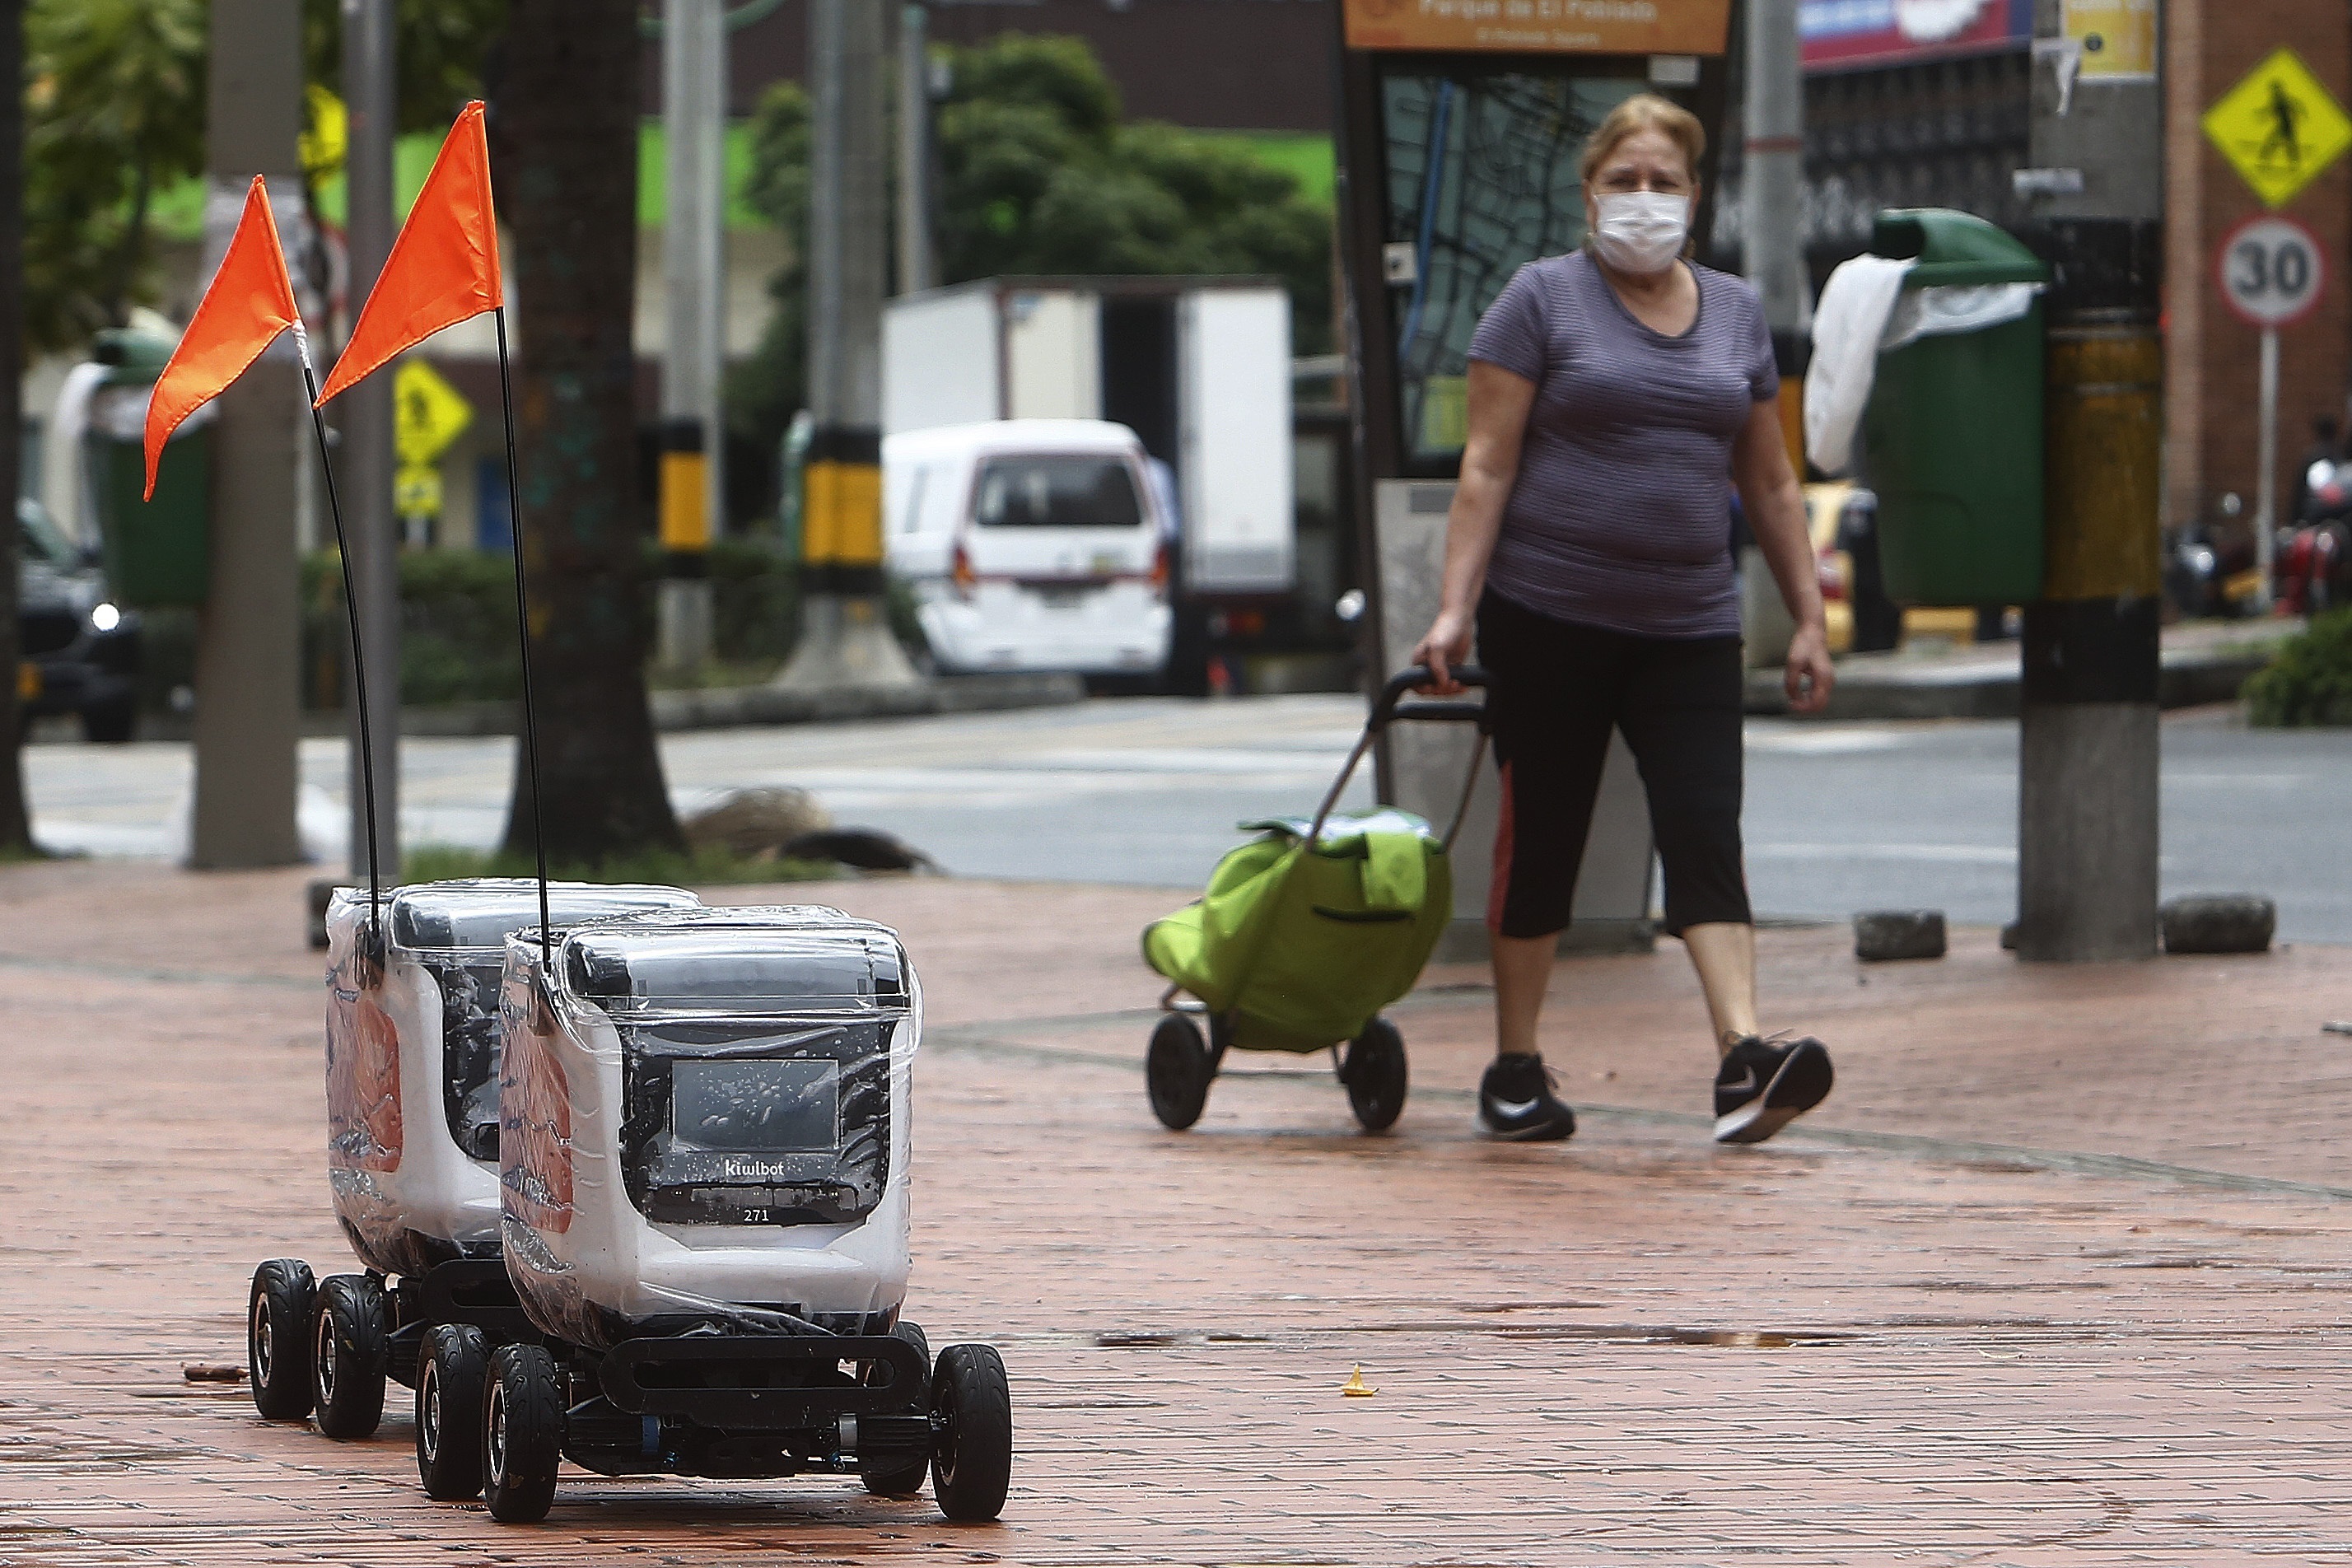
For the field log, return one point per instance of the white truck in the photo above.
(1199, 368)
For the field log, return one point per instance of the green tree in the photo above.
(116, 109)
(116, 115)
(1039, 173)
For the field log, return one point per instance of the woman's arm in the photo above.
(1775, 503)
(1499, 400)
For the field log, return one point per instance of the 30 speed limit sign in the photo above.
(2272, 269)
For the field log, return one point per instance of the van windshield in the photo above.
(1057, 492)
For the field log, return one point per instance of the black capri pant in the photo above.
(1555, 691)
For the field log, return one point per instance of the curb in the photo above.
(2187, 678)
(724, 707)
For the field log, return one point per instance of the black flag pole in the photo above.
(351, 610)
(522, 632)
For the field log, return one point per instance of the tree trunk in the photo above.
(566, 127)
(14, 831)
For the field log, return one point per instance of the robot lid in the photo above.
(476, 913)
(772, 961)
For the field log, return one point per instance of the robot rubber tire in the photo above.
(277, 1313)
(1176, 1071)
(901, 1480)
(347, 1357)
(1374, 1074)
(450, 1371)
(972, 1453)
(522, 1433)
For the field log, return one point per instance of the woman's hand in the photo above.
(1447, 645)
(1809, 677)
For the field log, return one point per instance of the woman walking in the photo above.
(1617, 394)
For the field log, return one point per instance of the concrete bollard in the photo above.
(1882, 936)
(2231, 922)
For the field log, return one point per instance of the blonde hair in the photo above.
(1646, 112)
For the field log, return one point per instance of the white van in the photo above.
(1029, 544)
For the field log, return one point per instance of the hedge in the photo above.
(456, 625)
(2309, 681)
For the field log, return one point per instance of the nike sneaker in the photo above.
(1764, 1085)
(1516, 1101)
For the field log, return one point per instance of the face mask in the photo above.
(1641, 231)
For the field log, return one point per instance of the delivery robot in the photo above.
(411, 1142)
(703, 1150)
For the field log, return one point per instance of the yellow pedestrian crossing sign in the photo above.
(428, 413)
(2279, 128)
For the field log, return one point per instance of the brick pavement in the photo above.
(1950, 1327)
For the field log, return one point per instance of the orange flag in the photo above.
(249, 302)
(442, 268)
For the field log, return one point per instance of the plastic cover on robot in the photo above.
(412, 1057)
(704, 1124)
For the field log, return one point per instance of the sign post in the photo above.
(2272, 271)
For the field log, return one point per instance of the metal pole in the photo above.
(844, 638)
(1772, 168)
(249, 641)
(916, 271)
(2266, 479)
(2088, 756)
(693, 110)
(364, 456)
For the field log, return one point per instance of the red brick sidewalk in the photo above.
(1884, 1342)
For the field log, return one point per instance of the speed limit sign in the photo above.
(2272, 269)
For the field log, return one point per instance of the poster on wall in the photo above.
(1840, 35)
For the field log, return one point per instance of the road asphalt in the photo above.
(1839, 817)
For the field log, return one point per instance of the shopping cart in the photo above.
(1306, 931)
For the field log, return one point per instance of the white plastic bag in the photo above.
(1849, 324)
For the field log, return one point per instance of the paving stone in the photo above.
(2024, 1321)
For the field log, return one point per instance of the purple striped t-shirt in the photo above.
(1619, 517)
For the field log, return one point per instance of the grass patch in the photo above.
(709, 867)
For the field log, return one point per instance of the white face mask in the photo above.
(1641, 231)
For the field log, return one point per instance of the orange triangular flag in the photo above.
(249, 301)
(442, 268)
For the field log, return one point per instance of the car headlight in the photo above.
(104, 616)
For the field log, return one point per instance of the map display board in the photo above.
(1482, 179)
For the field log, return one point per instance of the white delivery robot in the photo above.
(704, 1149)
(411, 1141)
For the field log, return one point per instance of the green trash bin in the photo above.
(1951, 439)
(156, 553)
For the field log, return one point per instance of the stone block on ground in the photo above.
(1882, 936)
(2230, 922)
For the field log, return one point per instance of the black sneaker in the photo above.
(1764, 1085)
(1515, 1102)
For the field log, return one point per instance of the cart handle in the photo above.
(1391, 706)
(1388, 708)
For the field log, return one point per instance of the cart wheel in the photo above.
(894, 1476)
(522, 1433)
(278, 1315)
(449, 1374)
(1374, 1073)
(1177, 1069)
(971, 1419)
(347, 1357)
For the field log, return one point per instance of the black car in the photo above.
(80, 648)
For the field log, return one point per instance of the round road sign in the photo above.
(2270, 270)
